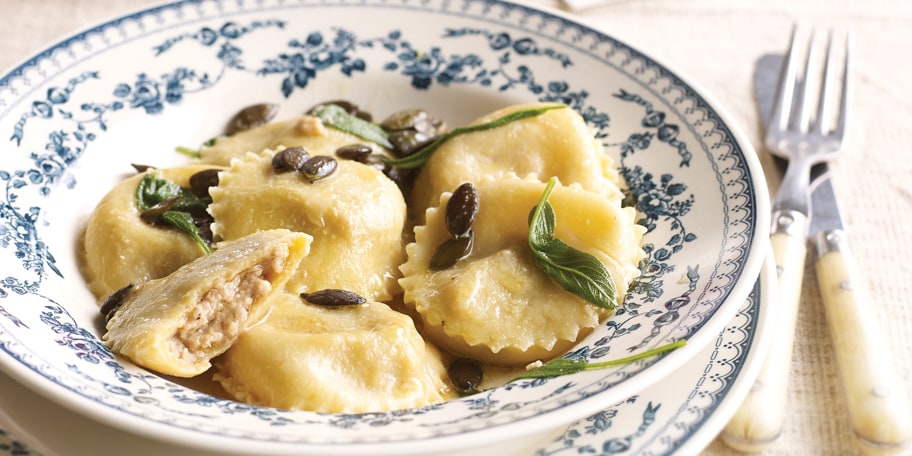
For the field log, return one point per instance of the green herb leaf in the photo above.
(154, 189)
(184, 222)
(563, 366)
(421, 156)
(192, 153)
(338, 118)
(578, 272)
(191, 203)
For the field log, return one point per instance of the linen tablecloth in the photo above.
(715, 43)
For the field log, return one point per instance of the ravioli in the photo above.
(175, 325)
(356, 217)
(119, 248)
(305, 131)
(497, 305)
(556, 143)
(351, 359)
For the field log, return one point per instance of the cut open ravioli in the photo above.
(119, 248)
(497, 305)
(175, 325)
(348, 359)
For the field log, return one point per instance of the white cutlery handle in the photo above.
(758, 422)
(878, 405)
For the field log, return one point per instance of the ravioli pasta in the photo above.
(556, 143)
(119, 248)
(356, 218)
(178, 323)
(354, 359)
(305, 131)
(240, 314)
(496, 305)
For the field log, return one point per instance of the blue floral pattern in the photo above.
(60, 126)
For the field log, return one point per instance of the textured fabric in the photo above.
(715, 43)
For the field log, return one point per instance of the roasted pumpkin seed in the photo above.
(318, 167)
(411, 129)
(202, 180)
(465, 374)
(114, 301)
(154, 213)
(332, 297)
(290, 159)
(461, 210)
(140, 168)
(251, 116)
(356, 152)
(451, 250)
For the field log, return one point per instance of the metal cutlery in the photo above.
(878, 409)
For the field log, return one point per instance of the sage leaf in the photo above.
(191, 203)
(422, 155)
(564, 366)
(184, 222)
(153, 189)
(576, 271)
(176, 205)
(192, 153)
(337, 117)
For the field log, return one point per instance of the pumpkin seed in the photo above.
(290, 159)
(356, 152)
(251, 116)
(154, 213)
(465, 374)
(140, 168)
(407, 142)
(318, 167)
(451, 250)
(411, 129)
(332, 297)
(461, 210)
(412, 119)
(202, 180)
(114, 301)
(404, 178)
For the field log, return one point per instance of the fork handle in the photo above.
(877, 401)
(758, 422)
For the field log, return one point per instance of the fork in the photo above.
(791, 134)
(874, 394)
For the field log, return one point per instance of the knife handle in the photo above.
(758, 422)
(879, 408)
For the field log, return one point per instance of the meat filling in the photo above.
(221, 313)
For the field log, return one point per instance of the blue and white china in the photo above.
(75, 116)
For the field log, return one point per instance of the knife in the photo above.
(876, 400)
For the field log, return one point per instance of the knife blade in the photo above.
(876, 399)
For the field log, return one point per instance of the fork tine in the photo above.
(843, 119)
(801, 119)
(826, 89)
(785, 89)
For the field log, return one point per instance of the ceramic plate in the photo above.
(678, 415)
(130, 90)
